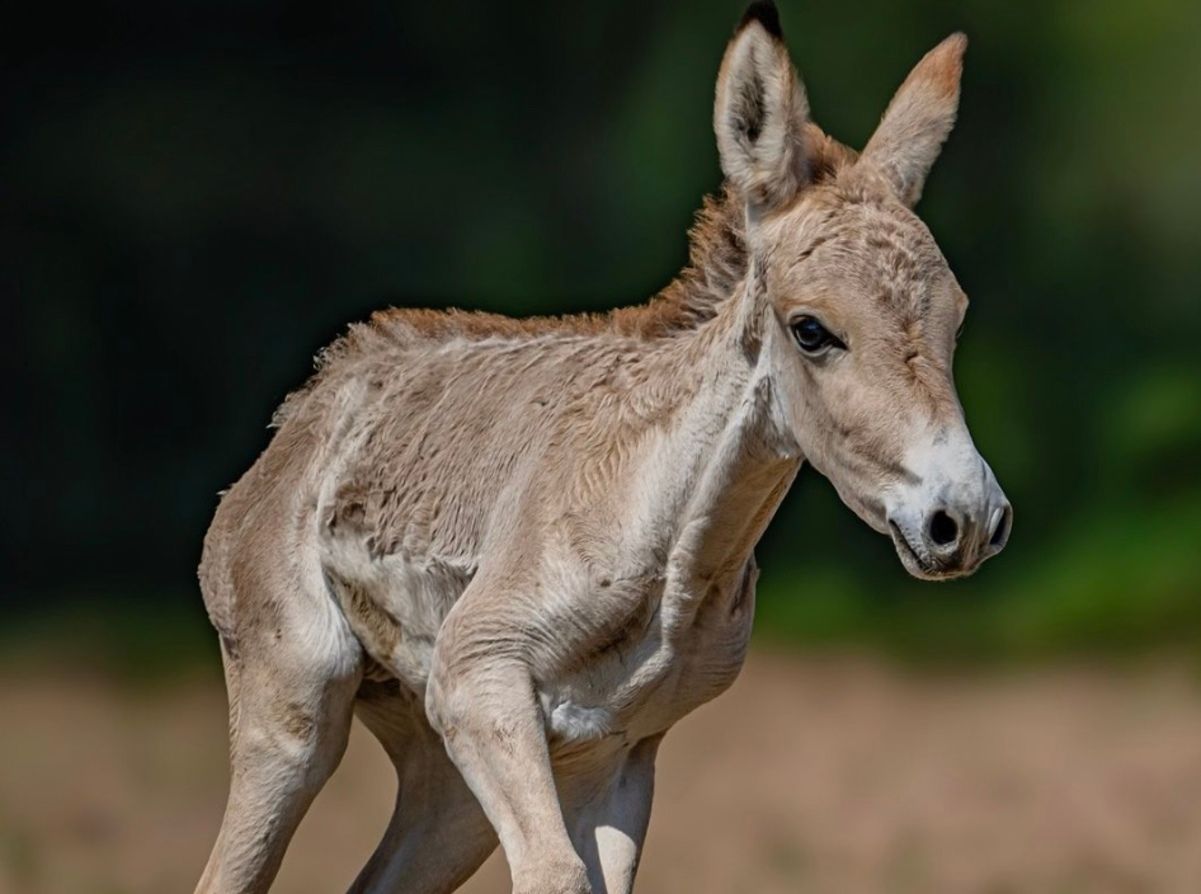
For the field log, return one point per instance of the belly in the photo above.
(396, 608)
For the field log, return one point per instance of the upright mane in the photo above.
(716, 261)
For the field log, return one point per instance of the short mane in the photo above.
(716, 263)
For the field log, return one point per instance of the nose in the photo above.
(955, 536)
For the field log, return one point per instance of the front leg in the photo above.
(481, 699)
(608, 812)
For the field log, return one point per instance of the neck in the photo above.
(723, 467)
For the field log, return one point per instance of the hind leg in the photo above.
(290, 714)
(438, 835)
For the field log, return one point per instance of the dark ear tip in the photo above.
(765, 13)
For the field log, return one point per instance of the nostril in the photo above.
(943, 529)
(1002, 529)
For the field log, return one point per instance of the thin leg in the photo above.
(493, 730)
(608, 819)
(438, 835)
(289, 727)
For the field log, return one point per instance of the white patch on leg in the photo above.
(577, 723)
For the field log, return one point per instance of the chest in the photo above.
(662, 666)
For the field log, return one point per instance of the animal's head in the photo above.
(863, 311)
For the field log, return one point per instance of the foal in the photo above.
(521, 550)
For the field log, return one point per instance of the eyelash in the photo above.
(812, 337)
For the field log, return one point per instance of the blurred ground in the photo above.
(816, 775)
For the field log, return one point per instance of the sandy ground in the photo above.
(817, 775)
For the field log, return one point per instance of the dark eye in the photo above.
(812, 336)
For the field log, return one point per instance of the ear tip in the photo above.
(953, 48)
(765, 13)
(943, 65)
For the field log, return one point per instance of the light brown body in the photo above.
(522, 550)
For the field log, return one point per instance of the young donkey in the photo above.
(520, 551)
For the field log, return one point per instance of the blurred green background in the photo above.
(197, 197)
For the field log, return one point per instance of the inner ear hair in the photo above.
(748, 109)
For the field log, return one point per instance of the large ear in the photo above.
(760, 112)
(919, 120)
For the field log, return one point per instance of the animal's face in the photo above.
(868, 313)
(863, 310)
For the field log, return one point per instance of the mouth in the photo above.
(917, 564)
